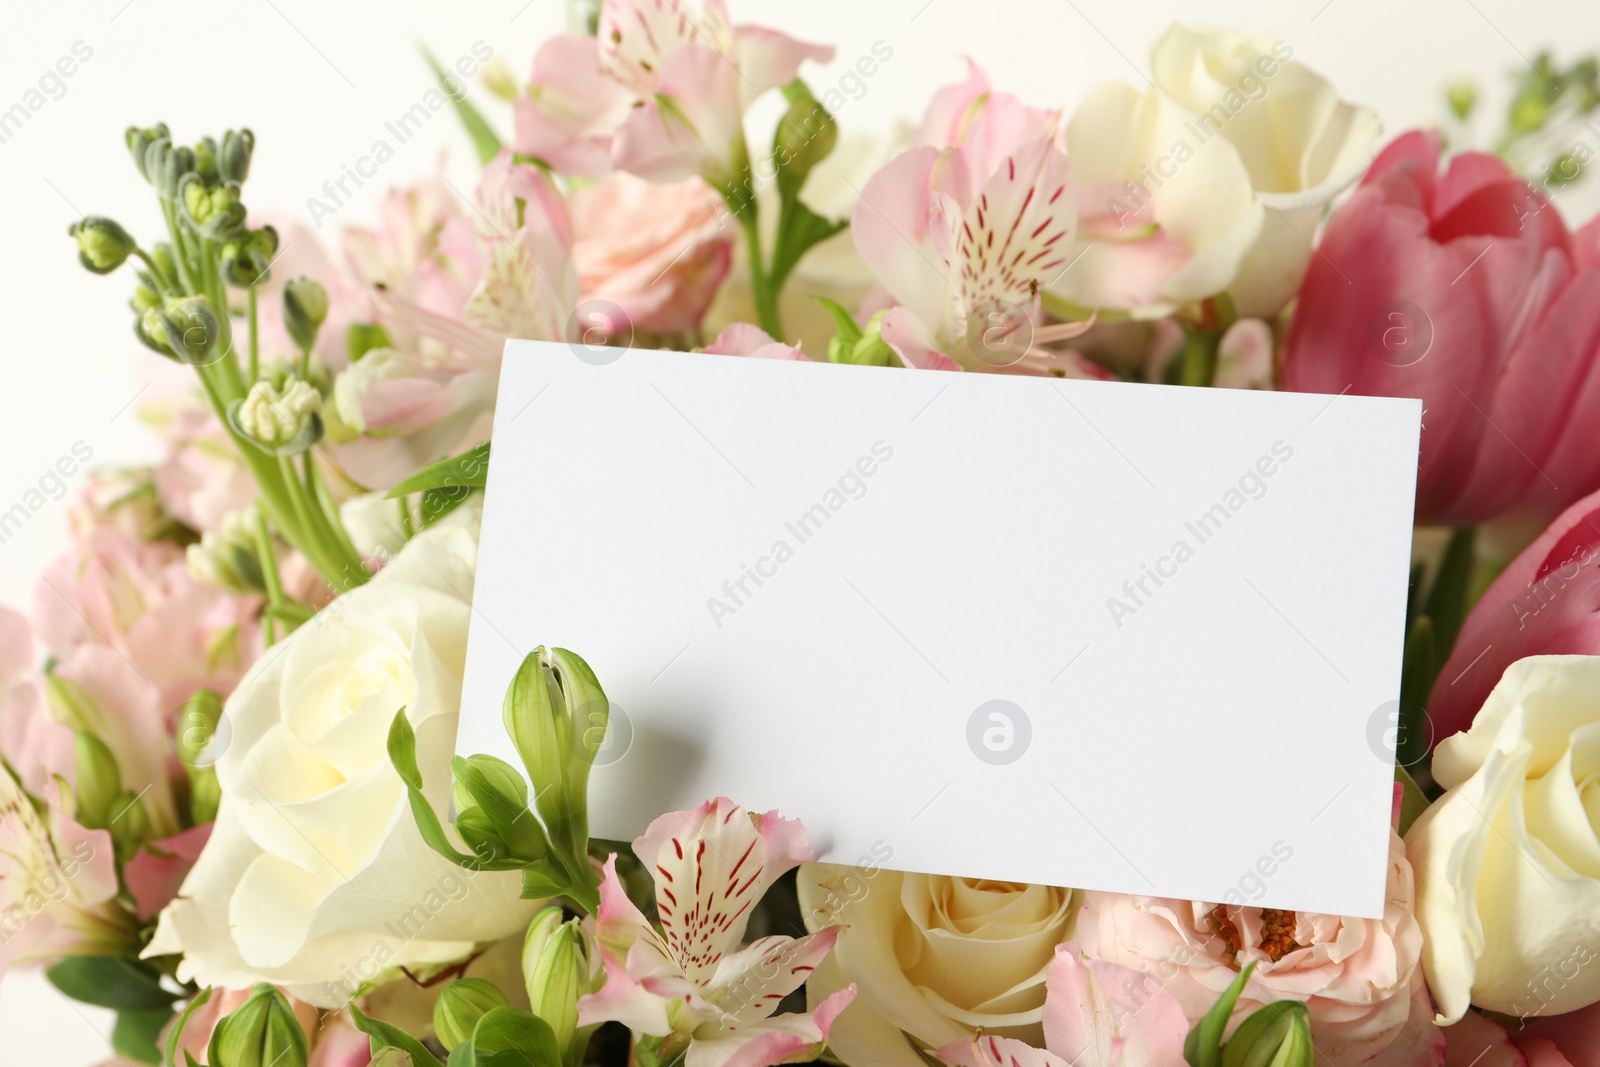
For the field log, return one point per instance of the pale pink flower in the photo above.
(659, 91)
(155, 872)
(689, 982)
(657, 251)
(1244, 356)
(1360, 979)
(58, 882)
(201, 478)
(1096, 1014)
(1570, 1040)
(32, 742)
(138, 598)
(744, 339)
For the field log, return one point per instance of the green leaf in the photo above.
(470, 468)
(484, 139)
(843, 321)
(1202, 1047)
(137, 1034)
(799, 228)
(403, 754)
(114, 982)
(1447, 600)
(183, 1020)
(384, 1036)
(1418, 666)
(1413, 801)
(511, 1037)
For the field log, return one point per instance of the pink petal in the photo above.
(894, 228)
(770, 58)
(912, 341)
(154, 874)
(688, 126)
(746, 339)
(571, 108)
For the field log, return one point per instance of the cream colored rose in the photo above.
(316, 877)
(1508, 860)
(1300, 143)
(934, 958)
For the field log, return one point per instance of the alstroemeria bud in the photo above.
(187, 327)
(305, 309)
(1276, 1035)
(226, 558)
(537, 717)
(99, 780)
(205, 794)
(286, 422)
(805, 137)
(139, 141)
(245, 259)
(103, 245)
(869, 350)
(498, 79)
(460, 1006)
(261, 1032)
(555, 966)
(129, 822)
(498, 792)
(212, 211)
(233, 162)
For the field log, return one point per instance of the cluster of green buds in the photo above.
(476, 1026)
(1550, 104)
(283, 419)
(1275, 1035)
(556, 714)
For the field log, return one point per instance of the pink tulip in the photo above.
(656, 251)
(659, 91)
(1462, 287)
(1545, 603)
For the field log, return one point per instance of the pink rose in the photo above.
(1359, 978)
(656, 251)
(1546, 603)
(1462, 287)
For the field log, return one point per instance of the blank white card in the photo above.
(1134, 638)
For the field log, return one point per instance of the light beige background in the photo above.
(317, 80)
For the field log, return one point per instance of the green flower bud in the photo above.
(226, 558)
(99, 780)
(869, 350)
(139, 141)
(284, 422)
(129, 822)
(555, 966)
(103, 246)
(205, 795)
(1462, 96)
(305, 309)
(212, 211)
(189, 327)
(261, 1032)
(363, 337)
(166, 165)
(233, 164)
(147, 327)
(805, 137)
(498, 79)
(205, 159)
(1529, 111)
(496, 789)
(556, 714)
(143, 299)
(245, 260)
(161, 253)
(478, 832)
(1277, 1035)
(460, 1006)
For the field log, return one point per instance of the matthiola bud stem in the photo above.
(282, 423)
(305, 309)
(103, 245)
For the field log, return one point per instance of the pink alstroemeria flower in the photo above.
(659, 91)
(965, 230)
(689, 983)
(745, 339)
(1096, 1014)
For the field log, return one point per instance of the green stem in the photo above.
(1199, 357)
(269, 574)
(253, 370)
(333, 522)
(760, 284)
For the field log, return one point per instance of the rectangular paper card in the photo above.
(1134, 638)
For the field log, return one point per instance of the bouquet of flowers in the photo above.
(228, 807)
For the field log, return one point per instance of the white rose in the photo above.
(374, 523)
(1300, 143)
(1211, 180)
(316, 877)
(1508, 860)
(933, 957)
